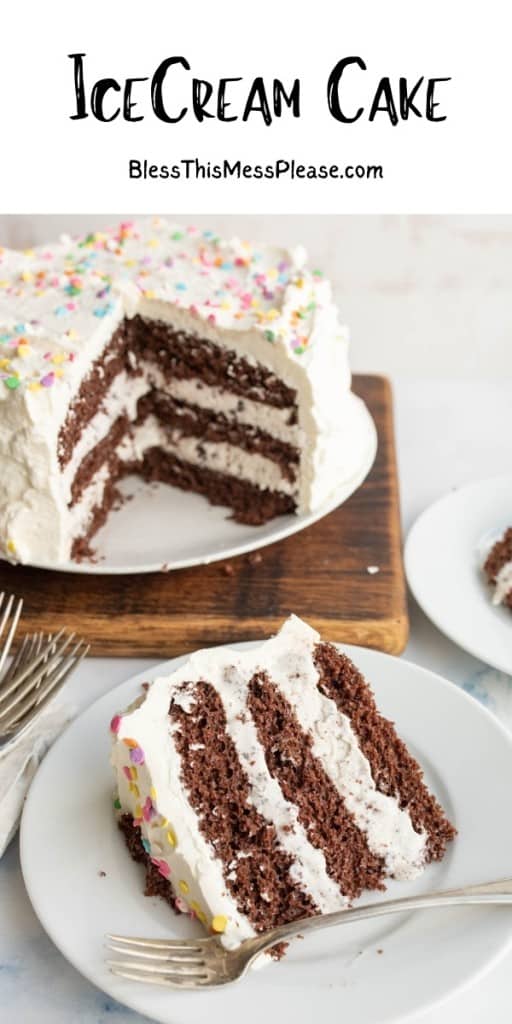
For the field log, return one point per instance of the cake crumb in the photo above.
(255, 558)
(102, 874)
(380, 952)
(372, 569)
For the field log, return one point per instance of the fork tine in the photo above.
(22, 655)
(176, 981)
(55, 682)
(38, 697)
(183, 956)
(39, 645)
(14, 625)
(21, 685)
(62, 670)
(170, 944)
(187, 972)
(49, 648)
(27, 675)
(41, 655)
(7, 611)
(23, 658)
(175, 963)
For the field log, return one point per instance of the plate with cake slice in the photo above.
(198, 386)
(458, 561)
(238, 788)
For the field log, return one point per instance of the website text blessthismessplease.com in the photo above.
(191, 168)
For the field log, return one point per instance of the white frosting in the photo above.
(60, 304)
(288, 660)
(503, 583)
(192, 861)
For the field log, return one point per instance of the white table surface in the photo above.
(449, 432)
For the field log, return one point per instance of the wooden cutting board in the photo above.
(320, 574)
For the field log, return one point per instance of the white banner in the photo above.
(275, 106)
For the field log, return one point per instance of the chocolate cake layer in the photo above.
(156, 884)
(249, 504)
(183, 355)
(321, 810)
(178, 356)
(394, 770)
(256, 868)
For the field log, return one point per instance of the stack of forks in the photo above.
(39, 669)
(27, 724)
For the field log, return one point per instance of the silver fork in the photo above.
(200, 963)
(8, 605)
(39, 669)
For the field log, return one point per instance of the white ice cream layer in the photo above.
(503, 583)
(215, 455)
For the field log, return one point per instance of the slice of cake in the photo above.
(264, 786)
(217, 367)
(498, 570)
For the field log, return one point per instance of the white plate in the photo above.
(444, 553)
(161, 528)
(374, 972)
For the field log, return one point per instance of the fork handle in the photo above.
(488, 892)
